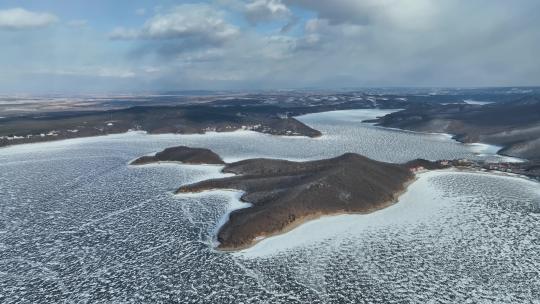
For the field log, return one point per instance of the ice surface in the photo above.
(77, 224)
(343, 131)
(414, 207)
(476, 102)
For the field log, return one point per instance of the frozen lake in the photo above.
(79, 225)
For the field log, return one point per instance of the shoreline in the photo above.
(308, 190)
(309, 218)
(246, 250)
(319, 134)
(128, 132)
(454, 137)
(318, 215)
(55, 140)
(489, 172)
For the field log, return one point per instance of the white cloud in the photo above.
(266, 10)
(342, 43)
(78, 23)
(115, 73)
(19, 19)
(200, 23)
(140, 12)
(121, 33)
(365, 12)
(107, 72)
(151, 69)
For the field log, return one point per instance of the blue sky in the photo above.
(130, 46)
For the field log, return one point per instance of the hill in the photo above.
(284, 194)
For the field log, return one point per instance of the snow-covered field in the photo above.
(79, 225)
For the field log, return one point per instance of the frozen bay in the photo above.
(78, 224)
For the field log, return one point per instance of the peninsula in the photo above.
(284, 194)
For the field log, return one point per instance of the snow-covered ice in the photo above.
(477, 102)
(79, 225)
